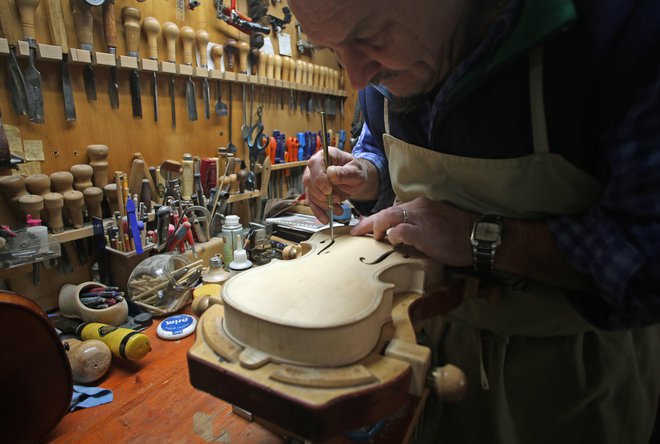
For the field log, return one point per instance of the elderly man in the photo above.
(518, 139)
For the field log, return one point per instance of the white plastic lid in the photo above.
(176, 327)
(231, 221)
(240, 262)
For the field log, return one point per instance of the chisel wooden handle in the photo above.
(243, 49)
(82, 176)
(277, 67)
(53, 202)
(26, 10)
(74, 202)
(216, 55)
(171, 35)
(10, 21)
(98, 159)
(231, 50)
(187, 41)
(263, 61)
(109, 25)
(270, 66)
(38, 184)
(286, 69)
(202, 39)
(131, 19)
(151, 27)
(93, 197)
(110, 192)
(147, 174)
(135, 179)
(299, 71)
(61, 181)
(84, 23)
(56, 25)
(31, 205)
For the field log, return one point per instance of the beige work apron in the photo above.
(538, 372)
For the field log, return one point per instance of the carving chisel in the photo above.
(202, 38)
(35, 100)
(326, 159)
(84, 23)
(131, 18)
(187, 39)
(58, 34)
(151, 27)
(171, 35)
(110, 36)
(9, 21)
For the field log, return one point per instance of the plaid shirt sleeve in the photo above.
(617, 241)
(367, 148)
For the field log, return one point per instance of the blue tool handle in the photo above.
(133, 224)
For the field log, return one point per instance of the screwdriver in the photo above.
(326, 159)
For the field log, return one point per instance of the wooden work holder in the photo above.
(185, 70)
(105, 59)
(149, 65)
(22, 49)
(81, 56)
(127, 62)
(201, 72)
(4, 46)
(49, 52)
(167, 67)
(319, 401)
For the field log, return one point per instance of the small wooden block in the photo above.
(252, 358)
(278, 84)
(271, 82)
(215, 74)
(201, 72)
(104, 59)
(4, 46)
(324, 377)
(286, 84)
(185, 70)
(80, 56)
(263, 81)
(149, 65)
(168, 67)
(240, 77)
(127, 62)
(49, 52)
(23, 48)
(417, 356)
(228, 75)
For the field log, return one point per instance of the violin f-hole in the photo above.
(380, 258)
(332, 241)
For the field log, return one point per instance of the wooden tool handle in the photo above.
(74, 202)
(56, 25)
(299, 71)
(270, 66)
(230, 49)
(135, 179)
(151, 27)
(38, 184)
(243, 49)
(98, 159)
(109, 24)
(93, 197)
(82, 176)
(84, 23)
(263, 61)
(187, 41)
(61, 181)
(53, 202)
(26, 10)
(202, 39)
(277, 67)
(286, 69)
(216, 55)
(316, 76)
(110, 192)
(147, 175)
(131, 19)
(171, 35)
(31, 204)
(10, 21)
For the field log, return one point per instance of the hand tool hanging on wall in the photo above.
(151, 27)
(131, 19)
(84, 23)
(35, 100)
(171, 35)
(16, 82)
(187, 40)
(58, 36)
(110, 35)
(202, 39)
(231, 16)
(220, 106)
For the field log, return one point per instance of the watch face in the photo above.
(487, 231)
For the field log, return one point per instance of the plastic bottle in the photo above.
(123, 342)
(231, 229)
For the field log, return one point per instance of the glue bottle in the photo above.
(231, 229)
(241, 261)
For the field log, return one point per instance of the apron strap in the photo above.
(537, 105)
(386, 115)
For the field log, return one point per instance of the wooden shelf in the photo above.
(284, 166)
(243, 196)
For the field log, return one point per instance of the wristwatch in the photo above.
(485, 238)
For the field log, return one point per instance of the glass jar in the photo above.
(162, 284)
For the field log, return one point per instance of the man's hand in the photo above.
(346, 177)
(437, 229)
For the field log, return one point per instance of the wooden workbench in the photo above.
(155, 403)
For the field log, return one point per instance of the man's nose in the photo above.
(360, 68)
